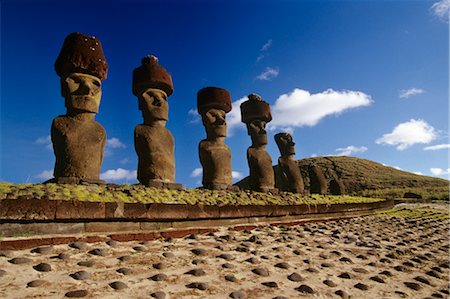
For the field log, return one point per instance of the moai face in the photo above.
(285, 144)
(82, 92)
(153, 104)
(257, 131)
(214, 122)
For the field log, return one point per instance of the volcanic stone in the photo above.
(238, 295)
(422, 280)
(42, 267)
(118, 285)
(199, 251)
(377, 279)
(226, 256)
(295, 277)
(198, 285)
(159, 277)
(342, 294)
(63, 256)
(99, 252)
(2, 272)
(329, 283)
(42, 250)
(86, 263)
(124, 271)
(228, 266)
(36, 283)
(81, 275)
(19, 260)
(413, 285)
(168, 255)
(230, 277)
(160, 266)
(282, 265)
(76, 294)
(270, 284)
(361, 286)
(78, 245)
(196, 272)
(360, 270)
(125, 258)
(305, 289)
(261, 271)
(345, 275)
(158, 295)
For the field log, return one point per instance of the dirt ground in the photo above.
(403, 253)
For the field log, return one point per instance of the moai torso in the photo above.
(155, 149)
(261, 171)
(289, 176)
(216, 162)
(78, 147)
(317, 181)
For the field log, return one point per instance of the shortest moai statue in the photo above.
(255, 113)
(317, 182)
(289, 177)
(78, 140)
(153, 142)
(213, 103)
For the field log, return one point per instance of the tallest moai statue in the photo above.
(78, 140)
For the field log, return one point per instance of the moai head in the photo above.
(285, 144)
(152, 84)
(82, 67)
(213, 103)
(255, 113)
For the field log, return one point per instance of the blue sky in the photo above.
(360, 78)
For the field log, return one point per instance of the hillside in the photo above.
(369, 178)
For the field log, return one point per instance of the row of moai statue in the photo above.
(79, 141)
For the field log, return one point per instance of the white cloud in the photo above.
(268, 74)
(441, 9)
(350, 150)
(267, 45)
(418, 172)
(436, 147)
(236, 175)
(114, 143)
(45, 175)
(301, 108)
(118, 174)
(408, 133)
(234, 117)
(195, 117)
(439, 171)
(196, 172)
(406, 93)
(47, 141)
(396, 167)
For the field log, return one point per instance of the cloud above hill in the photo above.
(409, 133)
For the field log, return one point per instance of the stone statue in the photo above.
(255, 113)
(317, 181)
(289, 177)
(213, 103)
(78, 140)
(154, 144)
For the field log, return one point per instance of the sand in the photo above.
(382, 256)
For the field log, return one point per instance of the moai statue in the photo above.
(78, 140)
(337, 187)
(289, 177)
(213, 103)
(154, 144)
(317, 182)
(255, 113)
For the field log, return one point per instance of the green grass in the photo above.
(138, 193)
(415, 212)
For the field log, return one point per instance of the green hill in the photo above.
(368, 178)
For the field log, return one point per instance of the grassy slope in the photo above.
(363, 177)
(137, 193)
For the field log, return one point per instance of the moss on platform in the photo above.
(138, 193)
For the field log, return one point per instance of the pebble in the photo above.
(63, 256)
(295, 277)
(400, 268)
(36, 283)
(159, 277)
(238, 295)
(42, 267)
(305, 289)
(42, 250)
(160, 266)
(312, 270)
(76, 294)
(342, 294)
(199, 251)
(124, 271)
(261, 271)
(158, 295)
(112, 243)
(196, 272)
(345, 275)
(345, 259)
(377, 279)
(20, 260)
(252, 260)
(125, 258)
(81, 275)
(230, 277)
(168, 255)
(139, 248)
(361, 286)
(78, 245)
(225, 256)
(282, 265)
(327, 265)
(270, 284)
(118, 285)
(99, 252)
(360, 270)
(413, 285)
(329, 283)
(228, 266)
(386, 273)
(86, 263)
(198, 285)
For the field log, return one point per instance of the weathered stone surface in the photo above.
(154, 144)
(255, 113)
(288, 177)
(215, 157)
(73, 209)
(317, 180)
(33, 209)
(78, 140)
